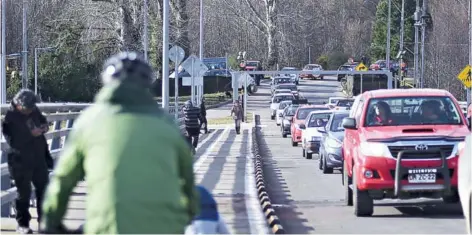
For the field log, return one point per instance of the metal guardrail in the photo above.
(62, 115)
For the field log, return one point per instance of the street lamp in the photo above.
(36, 52)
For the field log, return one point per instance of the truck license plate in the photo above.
(422, 175)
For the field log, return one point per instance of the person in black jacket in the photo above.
(203, 119)
(192, 126)
(28, 157)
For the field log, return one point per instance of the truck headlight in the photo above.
(373, 149)
(332, 143)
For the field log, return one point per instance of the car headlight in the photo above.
(332, 143)
(315, 138)
(458, 148)
(373, 149)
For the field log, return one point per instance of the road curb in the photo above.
(264, 199)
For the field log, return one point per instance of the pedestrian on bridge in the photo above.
(138, 166)
(192, 117)
(238, 116)
(28, 157)
(203, 119)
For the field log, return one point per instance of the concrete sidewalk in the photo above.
(226, 169)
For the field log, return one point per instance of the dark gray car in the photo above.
(287, 117)
(331, 153)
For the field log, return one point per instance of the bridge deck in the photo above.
(222, 164)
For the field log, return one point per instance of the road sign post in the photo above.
(176, 54)
(465, 78)
(195, 67)
(361, 67)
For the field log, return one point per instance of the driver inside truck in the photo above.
(431, 111)
(383, 114)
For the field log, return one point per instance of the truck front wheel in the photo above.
(453, 198)
(362, 202)
(346, 182)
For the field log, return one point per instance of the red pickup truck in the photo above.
(402, 144)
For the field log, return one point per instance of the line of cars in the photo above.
(400, 144)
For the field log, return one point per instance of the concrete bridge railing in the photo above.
(62, 116)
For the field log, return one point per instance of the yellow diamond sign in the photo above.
(464, 76)
(361, 67)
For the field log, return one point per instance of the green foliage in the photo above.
(379, 32)
(323, 61)
(337, 59)
(68, 73)
(233, 61)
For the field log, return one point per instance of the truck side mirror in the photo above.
(349, 123)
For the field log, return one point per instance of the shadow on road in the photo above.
(279, 193)
(430, 210)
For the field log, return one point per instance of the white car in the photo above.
(276, 99)
(294, 77)
(277, 91)
(280, 111)
(311, 137)
(465, 180)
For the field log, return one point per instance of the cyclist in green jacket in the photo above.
(138, 166)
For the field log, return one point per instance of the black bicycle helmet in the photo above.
(127, 66)
(25, 98)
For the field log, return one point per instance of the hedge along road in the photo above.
(307, 201)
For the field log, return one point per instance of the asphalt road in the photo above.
(309, 202)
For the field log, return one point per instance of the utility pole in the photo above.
(3, 52)
(200, 88)
(424, 15)
(402, 36)
(165, 55)
(145, 36)
(309, 55)
(388, 34)
(417, 38)
(25, 47)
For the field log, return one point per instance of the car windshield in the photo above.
(251, 64)
(337, 125)
(334, 101)
(318, 119)
(345, 103)
(282, 91)
(303, 112)
(282, 105)
(292, 88)
(278, 99)
(398, 111)
(290, 111)
(282, 80)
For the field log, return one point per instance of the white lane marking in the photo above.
(257, 223)
(205, 154)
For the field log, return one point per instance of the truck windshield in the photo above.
(398, 111)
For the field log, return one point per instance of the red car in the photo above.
(299, 118)
(402, 144)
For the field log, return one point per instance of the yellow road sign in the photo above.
(361, 67)
(464, 76)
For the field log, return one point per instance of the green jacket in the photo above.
(138, 168)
